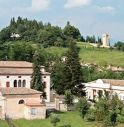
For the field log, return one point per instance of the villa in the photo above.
(102, 87)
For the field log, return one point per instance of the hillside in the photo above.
(90, 54)
(22, 50)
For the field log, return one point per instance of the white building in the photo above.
(104, 86)
(15, 35)
(18, 74)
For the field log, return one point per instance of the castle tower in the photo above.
(105, 40)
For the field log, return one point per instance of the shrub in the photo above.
(120, 118)
(90, 117)
(54, 119)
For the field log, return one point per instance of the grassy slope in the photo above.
(91, 54)
(3, 124)
(101, 56)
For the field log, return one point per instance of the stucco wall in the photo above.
(4, 79)
(40, 112)
(15, 110)
(27, 78)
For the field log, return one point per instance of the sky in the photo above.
(92, 17)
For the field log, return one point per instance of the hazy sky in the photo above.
(92, 17)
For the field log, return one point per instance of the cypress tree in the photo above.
(72, 71)
(36, 82)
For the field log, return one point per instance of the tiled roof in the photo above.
(15, 64)
(17, 68)
(34, 102)
(18, 91)
(114, 82)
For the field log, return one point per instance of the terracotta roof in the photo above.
(114, 82)
(18, 91)
(17, 68)
(34, 102)
(18, 71)
(15, 64)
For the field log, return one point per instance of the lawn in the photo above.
(3, 124)
(71, 118)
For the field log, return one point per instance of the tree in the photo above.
(110, 109)
(83, 107)
(58, 77)
(54, 119)
(72, 68)
(68, 99)
(36, 82)
(71, 32)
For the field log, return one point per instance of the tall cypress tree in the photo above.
(36, 82)
(72, 68)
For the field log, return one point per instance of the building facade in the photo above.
(17, 74)
(19, 103)
(103, 87)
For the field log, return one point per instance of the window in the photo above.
(33, 111)
(7, 84)
(44, 76)
(24, 83)
(15, 83)
(44, 84)
(19, 76)
(19, 83)
(21, 102)
(7, 76)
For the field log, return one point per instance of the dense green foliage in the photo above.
(68, 98)
(120, 46)
(107, 111)
(67, 74)
(36, 82)
(72, 68)
(92, 39)
(45, 34)
(83, 107)
(92, 73)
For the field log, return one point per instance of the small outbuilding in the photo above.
(18, 103)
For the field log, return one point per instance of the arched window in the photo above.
(44, 84)
(21, 102)
(15, 83)
(24, 83)
(19, 83)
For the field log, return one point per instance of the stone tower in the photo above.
(105, 40)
